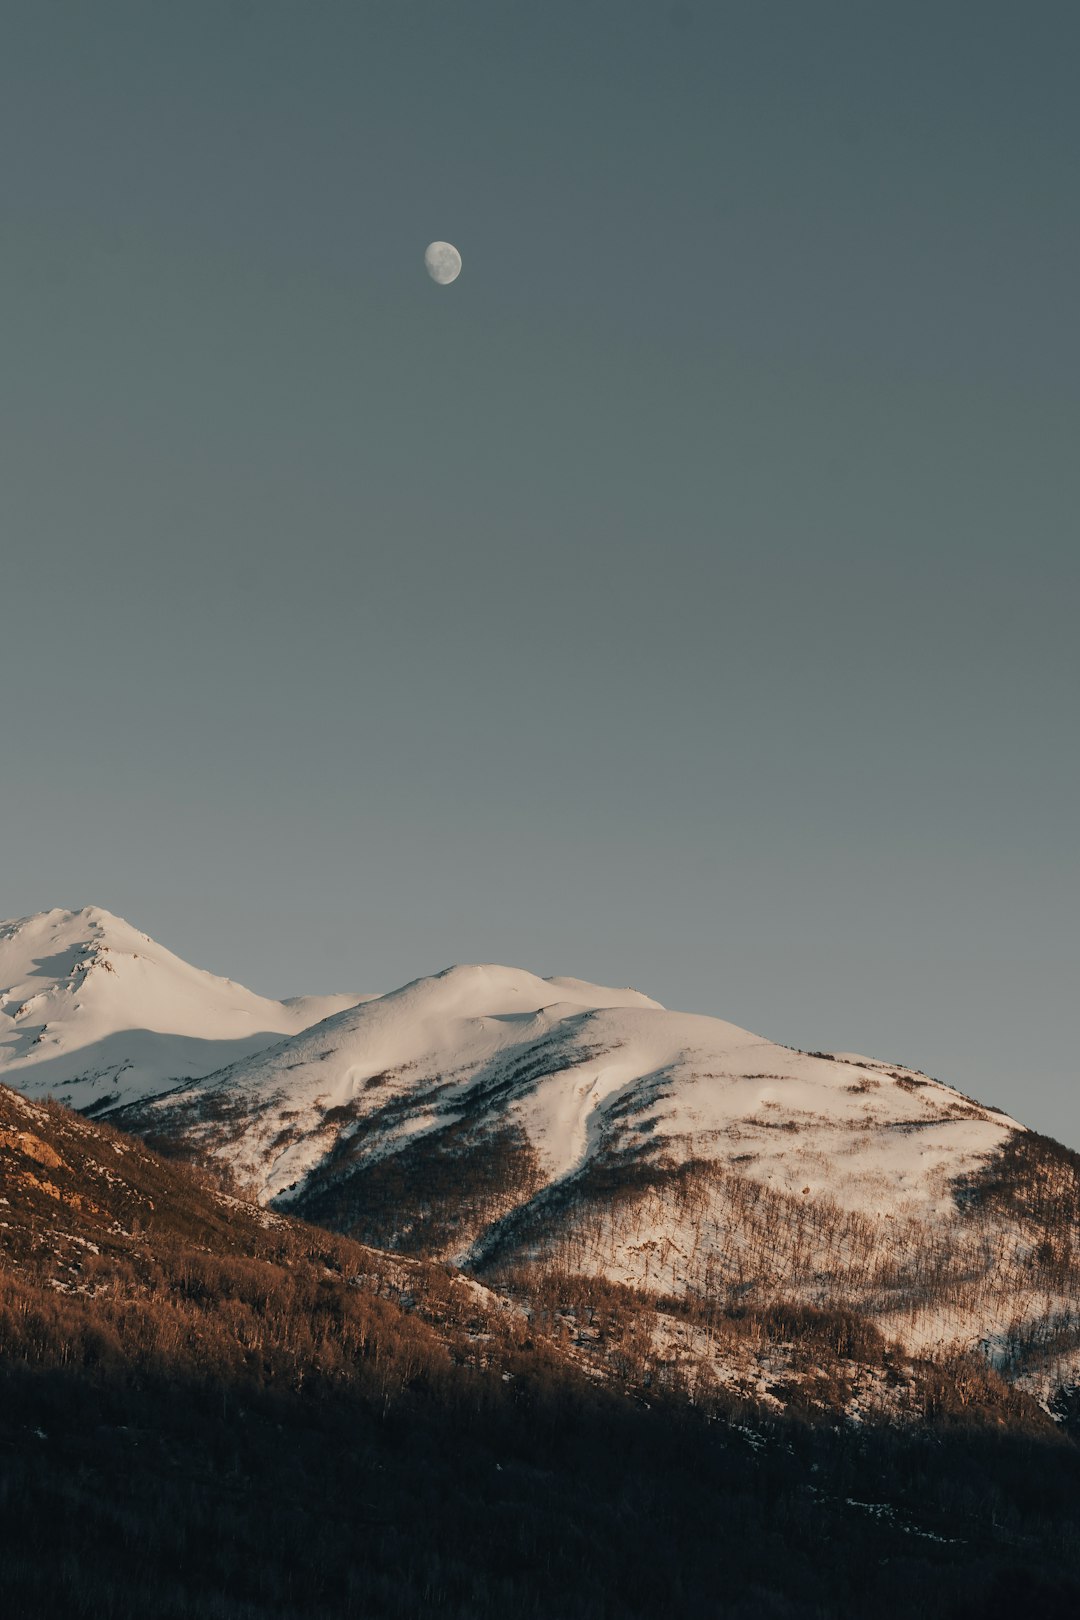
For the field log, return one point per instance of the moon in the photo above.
(443, 262)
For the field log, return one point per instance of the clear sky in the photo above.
(685, 597)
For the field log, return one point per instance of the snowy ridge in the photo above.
(94, 1013)
(581, 1073)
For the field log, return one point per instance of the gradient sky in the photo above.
(686, 597)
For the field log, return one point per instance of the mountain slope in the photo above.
(209, 1411)
(95, 1013)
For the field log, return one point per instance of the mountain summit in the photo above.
(94, 1013)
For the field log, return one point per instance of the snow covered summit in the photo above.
(94, 1013)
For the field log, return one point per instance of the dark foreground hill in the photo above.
(211, 1412)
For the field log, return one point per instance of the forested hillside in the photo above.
(212, 1411)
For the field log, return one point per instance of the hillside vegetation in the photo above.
(211, 1410)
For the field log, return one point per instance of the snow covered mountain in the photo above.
(517, 1125)
(579, 1074)
(528, 1127)
(94, 1013)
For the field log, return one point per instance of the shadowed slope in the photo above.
(211, 1412)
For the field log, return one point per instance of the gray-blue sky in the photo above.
(685, 597)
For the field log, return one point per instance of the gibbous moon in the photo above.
(443, 262)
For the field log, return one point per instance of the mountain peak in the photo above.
(491, 987)
(95, 1012)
